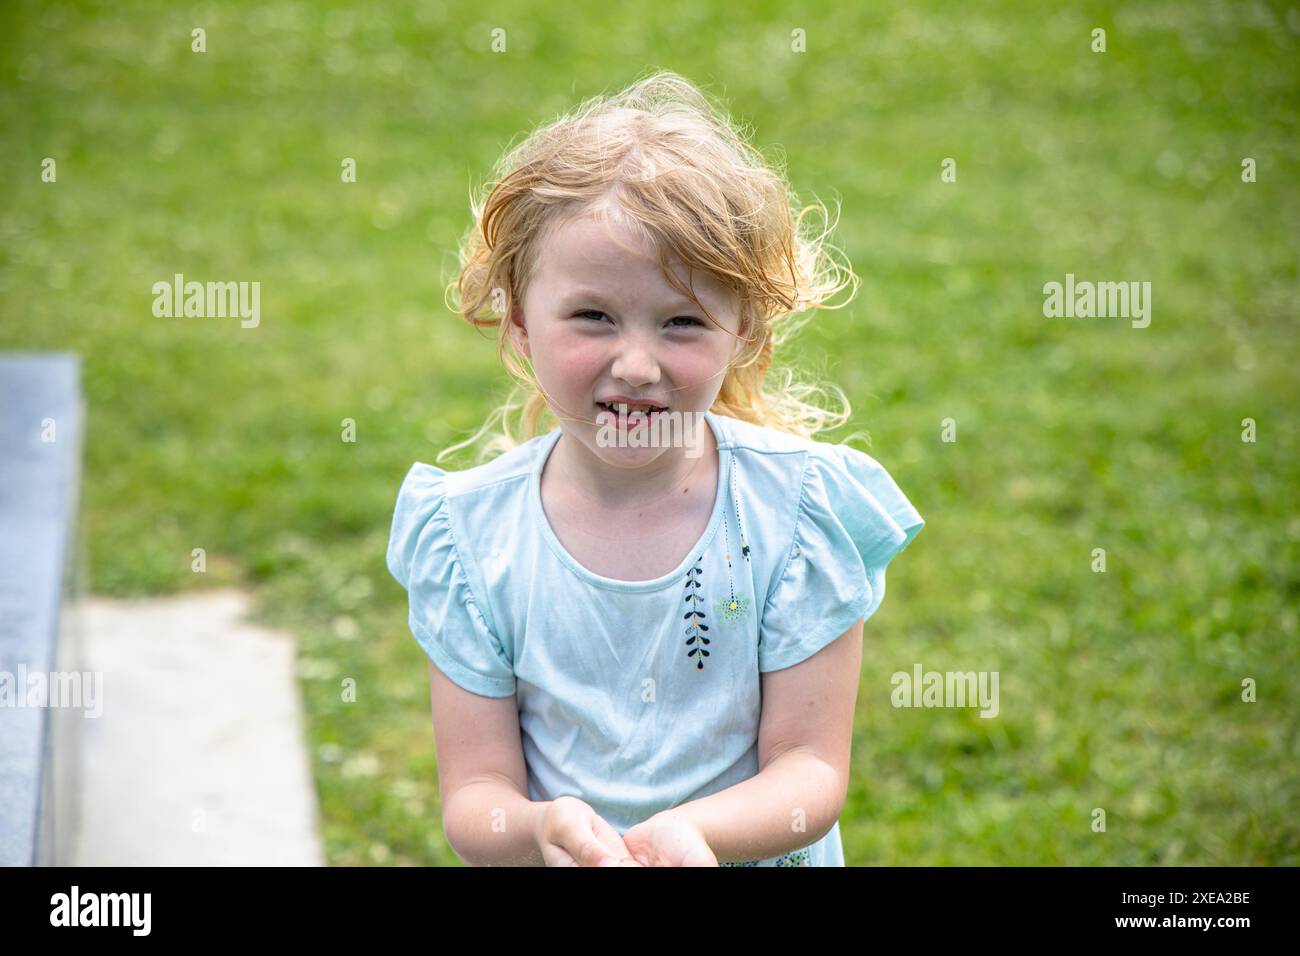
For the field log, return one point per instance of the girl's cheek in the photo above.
(579, 353)
(703, 369)
(582, 358)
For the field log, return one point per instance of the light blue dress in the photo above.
(638, 696)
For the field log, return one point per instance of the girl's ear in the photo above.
(738, 343)
(518, 331)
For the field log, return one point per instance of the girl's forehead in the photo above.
(590, 240)
(610, 254)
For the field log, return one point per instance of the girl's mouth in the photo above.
(636, 415)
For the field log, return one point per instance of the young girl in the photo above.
(645, 641)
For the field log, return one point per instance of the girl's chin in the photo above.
(622, 446)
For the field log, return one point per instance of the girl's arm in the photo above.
(804, 742)
(486, 814)
(482, 805)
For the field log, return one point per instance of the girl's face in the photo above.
(599, 320)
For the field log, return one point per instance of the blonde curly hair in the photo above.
(686, 178)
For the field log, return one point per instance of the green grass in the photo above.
(1119, 691)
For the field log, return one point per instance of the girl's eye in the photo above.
(689, 320)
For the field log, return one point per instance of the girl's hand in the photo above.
(571, 833)
(665, 840)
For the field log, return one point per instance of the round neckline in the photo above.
(616, 584)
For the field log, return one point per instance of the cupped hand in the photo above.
(665, 840)
(571, 833)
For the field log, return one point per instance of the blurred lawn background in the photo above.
(1118, 690)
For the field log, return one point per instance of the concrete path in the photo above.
(198, 757)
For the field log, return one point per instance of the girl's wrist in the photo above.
(538, 809)
(676, 814)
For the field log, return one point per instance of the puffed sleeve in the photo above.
(852, 520)
(445, 618)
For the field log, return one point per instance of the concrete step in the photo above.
(199, 755)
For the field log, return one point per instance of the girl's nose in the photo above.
(636, 364)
